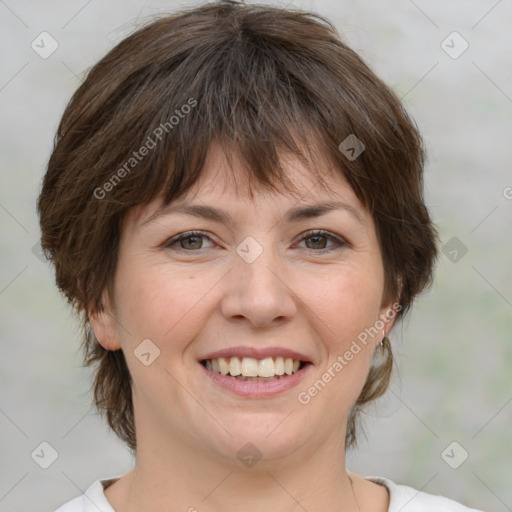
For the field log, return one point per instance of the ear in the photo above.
(387, 315)
(389, 310)
(104, 325)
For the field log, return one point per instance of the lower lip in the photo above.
(255, 389)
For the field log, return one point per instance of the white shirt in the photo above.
(402, 499)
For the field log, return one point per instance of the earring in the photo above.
(383, 343)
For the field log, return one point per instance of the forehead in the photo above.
(230, 182)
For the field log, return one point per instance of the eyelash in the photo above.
(308, 234)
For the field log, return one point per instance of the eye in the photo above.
(319, 239)
(190, 241)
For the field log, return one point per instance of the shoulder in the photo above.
(92, 500)
(407, 499)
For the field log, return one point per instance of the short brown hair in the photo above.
(261, 80)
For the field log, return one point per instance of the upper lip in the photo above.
(257, 353)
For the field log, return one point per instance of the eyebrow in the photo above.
(295, 214)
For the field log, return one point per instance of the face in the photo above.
(262, 284)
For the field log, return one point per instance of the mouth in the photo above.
(256, 370)
(248, 377)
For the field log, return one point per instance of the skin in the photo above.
(198, 296)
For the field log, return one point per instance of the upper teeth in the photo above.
(249, 367)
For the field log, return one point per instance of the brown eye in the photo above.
(191, 241)
(317, 240)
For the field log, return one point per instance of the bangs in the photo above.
(236, 95)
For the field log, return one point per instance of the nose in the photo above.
(259, 291)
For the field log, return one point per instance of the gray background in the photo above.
(454, 381)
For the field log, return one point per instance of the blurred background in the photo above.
(442, 427)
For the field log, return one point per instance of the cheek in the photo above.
(347, 302)
(160, 303)
(346, 312)
(159, 306)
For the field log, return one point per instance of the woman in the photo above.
(234, 208)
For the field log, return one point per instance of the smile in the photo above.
(248, 367)
(255, 378)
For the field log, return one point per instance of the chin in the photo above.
(259, 438)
